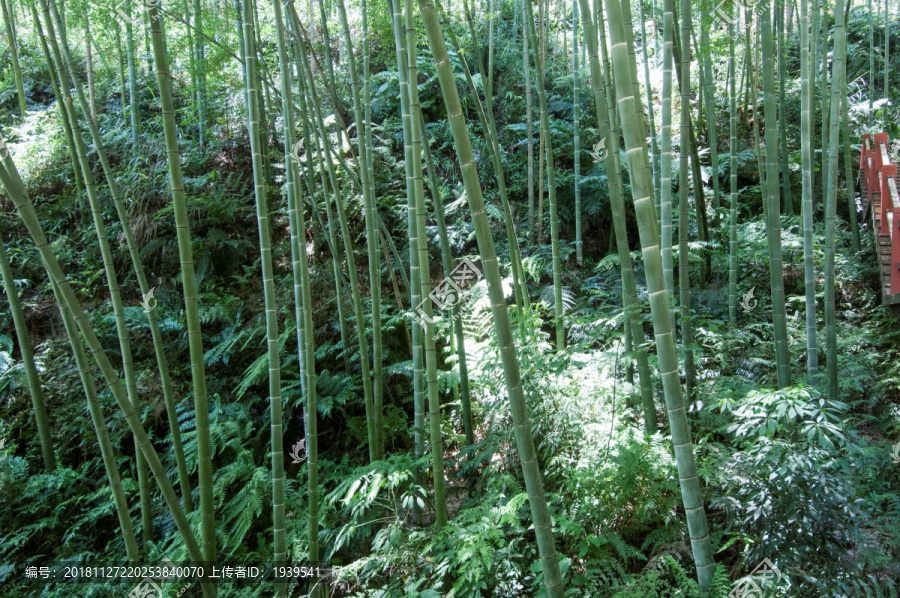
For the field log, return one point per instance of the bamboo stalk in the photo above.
(524, 439)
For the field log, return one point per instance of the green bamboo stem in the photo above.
(838, 76)
(120, 63)
(524, 439)
(418, 185)
(754, 86)
(576, 141)
(351, 265)
(551, 183)
(806, 149)
(371, 242)
(848, 171)
(485, 117)
(12, 183)
(825, 95)
(412, 232)
(189, 286)
(634, 324)
(14, 51)
(134, 112)
(782, 113)
(529, 117)
(89, 65)
(887, 60)
(700, 201)
(192, 60)
(447, 263)
(108, 265)
(654, 152)
(271, 308)
(711, 120)
(871, 82)
(106, 449)
(684, 273)
(773, 216)
(607, 67)
(642, 189)
(666, 149)
(199, 53)
(818, 188)
(69, 77)
(63, 115)
(374, 259)
(42, 422)
(330, 236)
(404, 41)
(732, 171)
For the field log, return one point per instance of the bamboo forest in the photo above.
(449, 298)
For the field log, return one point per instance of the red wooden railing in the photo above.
(878, 183)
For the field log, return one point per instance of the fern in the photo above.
(548, 297)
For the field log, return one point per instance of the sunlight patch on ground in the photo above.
(602, 395)
(35, 141)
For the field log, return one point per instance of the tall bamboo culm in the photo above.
(630, 303)
(665, 191)
(54, 25)
(887, 58)
(732, 170)
(684, 271)
(14, 51)
(69, 77)
(812, 354)
(189, 288)
(418, 330)
(524, 439)
(773, 215)
(12, 183)
(107, 451)
(576, 141)
(268, 280)
(42, 422)
(428, 338)
(551, 180)
(642, 190)
(302, 292)
(838, 75)
(371, 237)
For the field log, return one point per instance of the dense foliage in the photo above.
(787, 473)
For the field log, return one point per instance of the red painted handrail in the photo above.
(887, 206)
(880, 177)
